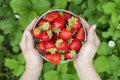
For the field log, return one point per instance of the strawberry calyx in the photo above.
(61, 13)
(72, 53)
(58, 42)
(52, 50)
(62, 57)
(50, 33)
(70, 40)
(45, 26)
(71, 21)
(55, 30)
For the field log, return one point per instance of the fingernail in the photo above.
(94, 26)
(27, 32)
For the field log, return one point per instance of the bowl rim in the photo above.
(62, 10)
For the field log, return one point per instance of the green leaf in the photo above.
(51, 75)
(101, 64)
(19, 6)
(62, 68)
(11, 63)
(26, 18)
(103, 19)
(109, 7)
(1, 38)
(21, 58)
(47, 68)
(104, 49)
(77, 1)
(116, 35)
(65, 76)
(19, 70)
(60, 4)
(114, 63)
(40, 6)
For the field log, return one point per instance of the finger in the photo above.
(97, 40)
(86, 24)
(23, 42)
(29, 41)
(30, 26)
(91, 34)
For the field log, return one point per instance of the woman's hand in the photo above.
(32, 57)
(84, 62)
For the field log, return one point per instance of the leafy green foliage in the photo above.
(15, 15)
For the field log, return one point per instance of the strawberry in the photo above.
(65, 34)
(51, 16)
(75, 44)
(59, 22)
(41, 47)
(70, 54)
(54, 58)
(40, 22)
(67, 15)
(74, 23)
(46, 26)
(36, 32)
(45, 35)
(80, 34)
(62, 45)
(50, 47)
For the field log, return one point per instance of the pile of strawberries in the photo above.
(58, 36)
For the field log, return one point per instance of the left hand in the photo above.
(31, 55)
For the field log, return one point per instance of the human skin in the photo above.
(83, 63)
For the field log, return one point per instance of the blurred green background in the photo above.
(15, 15)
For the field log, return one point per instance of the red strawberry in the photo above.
(59, 22)
(80, 34)
(36, 32)
(75, 23)
(45, 35)
(65, 34)
(41, 46)
(62, 45)
(67, 15)
(75, 45)
(70, 54)
(51, 16)
(41, 21)
(50, 47)
(54, 58)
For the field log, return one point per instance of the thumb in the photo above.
(91, 34)
(29, 40)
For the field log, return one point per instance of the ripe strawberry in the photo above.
(41, 46)
(70, 54)
(36, 32)
(51, 16)
(61, 45)
(54, 58)
(59, 22)
(80, 34)
(75, 44)
(75, 23)
(50, 47)
(40, 22)
(45, 35)
(65, 34)
(67, 15)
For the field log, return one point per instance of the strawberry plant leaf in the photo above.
(62, 68)
(101, 64)
(47, 75)
(11, 63)
(19, 70)
(40, 6)
(109, 7)
(1, 38)
(47, 68)
(21, 58)
(104, 49)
